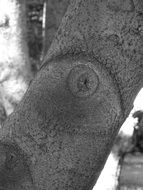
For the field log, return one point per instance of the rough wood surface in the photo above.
(65, 130)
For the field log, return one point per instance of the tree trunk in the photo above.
(131, 172)
(65, 126)
(2, 110)
(54, 12)
(14, 60)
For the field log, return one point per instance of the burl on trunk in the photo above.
(59, 136)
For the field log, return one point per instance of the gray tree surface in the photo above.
(62, 131)
(55, 10)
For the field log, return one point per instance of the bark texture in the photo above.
(67, 122)
(55, 10)
(111, 31)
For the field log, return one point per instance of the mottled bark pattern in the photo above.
(14, 170)
(66, 130)
(68, 119)
(112, 31)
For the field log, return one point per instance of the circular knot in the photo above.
(82, 81)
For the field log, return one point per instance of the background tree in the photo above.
(15, 69)
(35, 26)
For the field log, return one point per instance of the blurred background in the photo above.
(27, 28)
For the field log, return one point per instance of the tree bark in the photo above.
(99, 34)
(15, 71)
(55, 10)
(67, 122)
